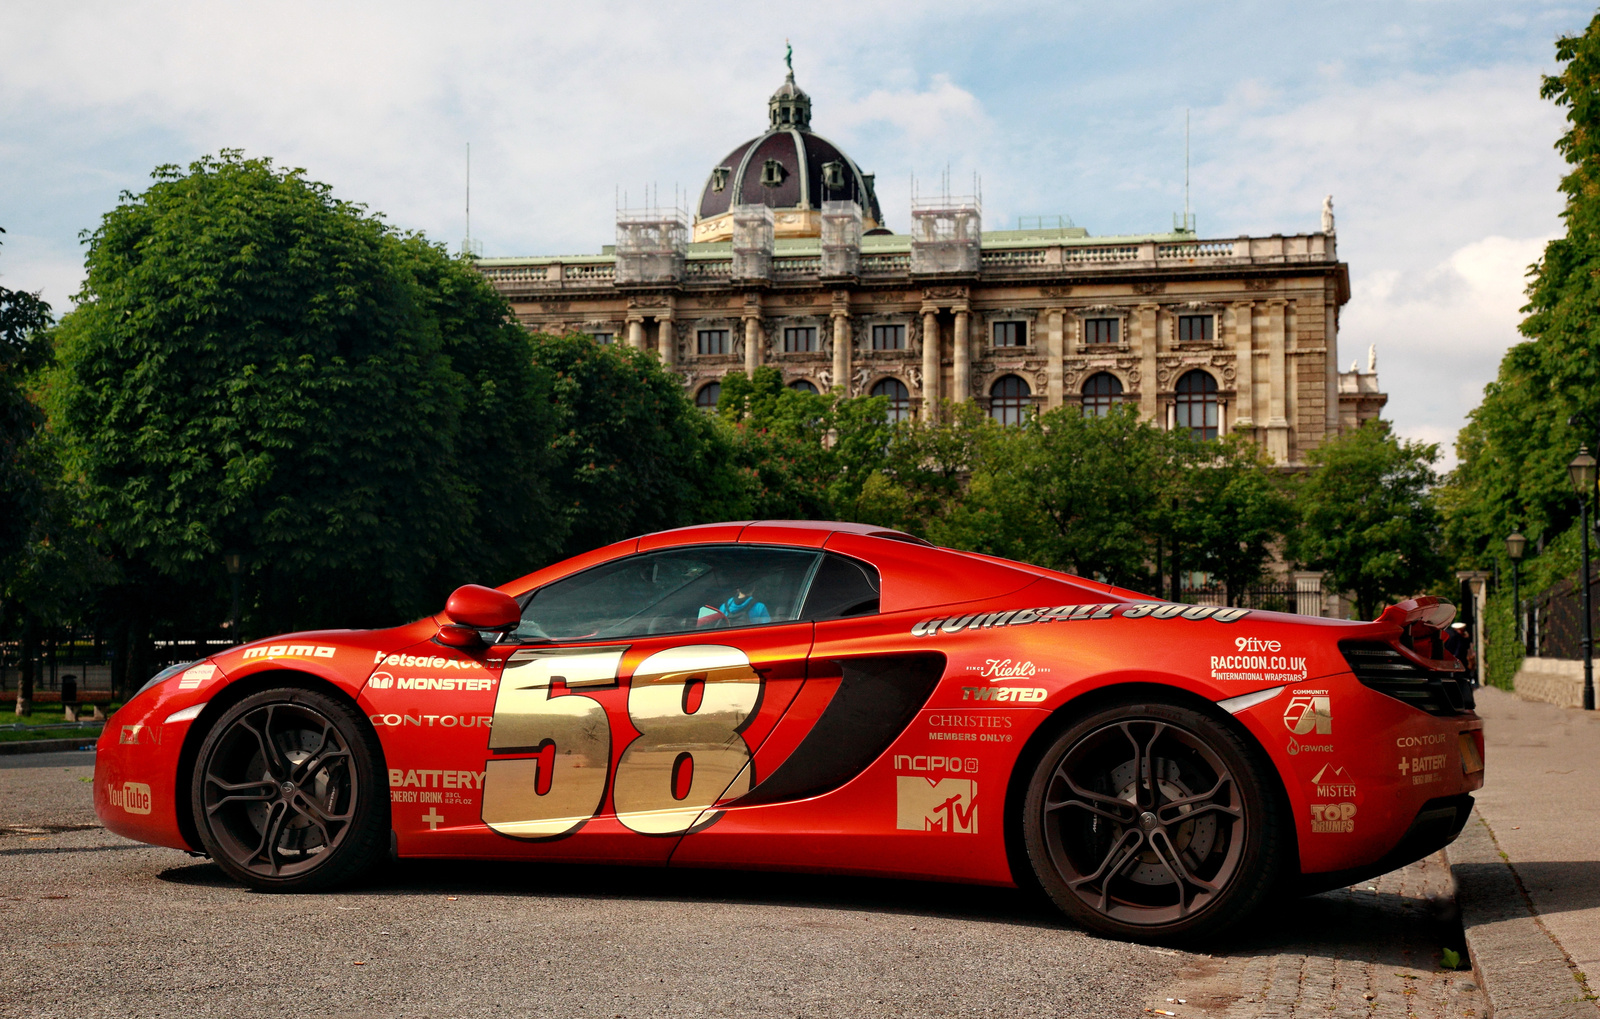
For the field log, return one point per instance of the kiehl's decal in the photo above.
(1067, 613)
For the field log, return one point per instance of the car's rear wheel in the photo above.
(287, 792)
(1152, 822)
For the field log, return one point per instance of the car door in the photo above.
(633, 696)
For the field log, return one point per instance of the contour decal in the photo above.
(1068, 613)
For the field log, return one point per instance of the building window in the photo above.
(1009, 400)
(706, 398)
(1011, 334)
(802, 386)
(713, 341)
(799, 339)
(1197, 328)
(1100, 330)
(899, 398)
(1197, 404)
(605, 339)
(1101, 392)
(888, 337)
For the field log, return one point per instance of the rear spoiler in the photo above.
(1435, 612)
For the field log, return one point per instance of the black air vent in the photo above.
(1383, 668)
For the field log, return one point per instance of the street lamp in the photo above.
(234, 561)
(1516, 545)
(1582, 472)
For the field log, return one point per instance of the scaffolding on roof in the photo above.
(946, 233)
(753, 241)
(841, 238)
(652, 244)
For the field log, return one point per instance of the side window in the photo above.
(843, 587)
(676, 591)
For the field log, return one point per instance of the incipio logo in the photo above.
(134, 797)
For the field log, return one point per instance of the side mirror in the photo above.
(474, 607)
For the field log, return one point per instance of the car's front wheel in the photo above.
(288, 792)
(1153, 822)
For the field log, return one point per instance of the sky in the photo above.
(1422, 119)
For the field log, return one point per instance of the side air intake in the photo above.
(1386, 669)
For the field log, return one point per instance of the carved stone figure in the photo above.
(1327, 215)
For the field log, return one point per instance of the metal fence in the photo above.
(85, 656)
(1281, 597)
(1552, 622)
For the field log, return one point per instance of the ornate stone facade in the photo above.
(1060, 311)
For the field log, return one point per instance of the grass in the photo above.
(46, 714)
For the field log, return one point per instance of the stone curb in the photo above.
(1524, 972)
(46, 746)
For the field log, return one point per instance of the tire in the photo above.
(1186, 856)
(288, 792)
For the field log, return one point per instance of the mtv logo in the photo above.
(946, 804)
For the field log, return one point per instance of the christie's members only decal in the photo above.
(1068, 613)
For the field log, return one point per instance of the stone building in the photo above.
(787, 262)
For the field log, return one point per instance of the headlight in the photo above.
(167, 673)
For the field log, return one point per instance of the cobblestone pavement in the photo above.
(1371, 950)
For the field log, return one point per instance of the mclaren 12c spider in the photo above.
(822, 697)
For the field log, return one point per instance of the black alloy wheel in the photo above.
(288, 792)
(1153, 822)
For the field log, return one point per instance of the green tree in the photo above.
(632, 453)
(1230, 508)
(1514, 450)
(1367, 518)
(255, 364)
(24, 350)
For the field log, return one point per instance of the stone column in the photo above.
(1477, 584)
(1244, 366)
(962, 381)
(841, 349)
(1308, 593)
(1278, 382)
(752, 344)
(931, 366)
(666, 339)
(1144, 316)
(636, 332)
(1055, 346)
(1330, 362)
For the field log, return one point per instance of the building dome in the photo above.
(787, 169)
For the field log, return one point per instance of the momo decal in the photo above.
(1022, 694)
(1068, 613)
(948, 805)
(275, 651)
(1256, 664)
(133, 797)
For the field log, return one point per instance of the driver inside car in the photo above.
(743, 609)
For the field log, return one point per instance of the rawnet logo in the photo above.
(1309, 711)
(947, 805)
(133, 797)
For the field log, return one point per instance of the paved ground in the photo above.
(92, 925)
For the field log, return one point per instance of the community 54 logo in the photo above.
(1309, 712)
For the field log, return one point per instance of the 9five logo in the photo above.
(1309, 712)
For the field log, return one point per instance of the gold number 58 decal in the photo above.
(688, 704)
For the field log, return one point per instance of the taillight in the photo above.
(1434, 686)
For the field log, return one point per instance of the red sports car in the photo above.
(822, 697)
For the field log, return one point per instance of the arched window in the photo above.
(1009, 400)
(1101, 392)
(802, 386)
(899, 398)
(706, 398)
(1197, 404)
